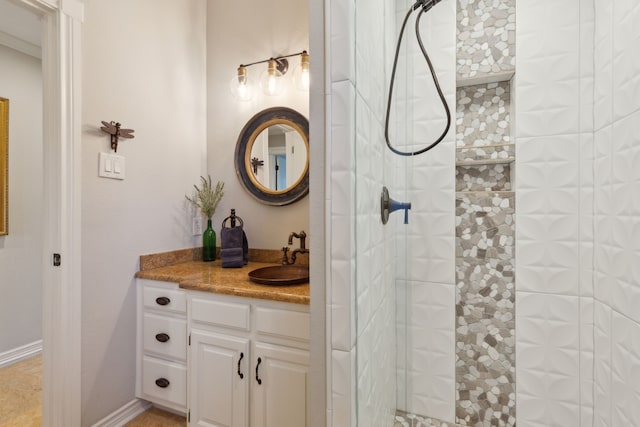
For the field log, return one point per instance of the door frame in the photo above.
(61, 307)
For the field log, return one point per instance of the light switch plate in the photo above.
(111, 166)
(197, 225)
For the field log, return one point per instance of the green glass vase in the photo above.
(209, 243)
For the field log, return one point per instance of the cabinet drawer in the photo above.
(165, 336)
(220, 313)
(173, 390)
(283, 323)
(169, 300)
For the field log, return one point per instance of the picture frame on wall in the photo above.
(4, 166)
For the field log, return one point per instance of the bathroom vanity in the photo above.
(221, 349)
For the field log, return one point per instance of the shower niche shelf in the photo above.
(498, 154)
(502, 76)
(484, 162)
(484, 168)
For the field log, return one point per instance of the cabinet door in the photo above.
(279, 386)
(218, 380)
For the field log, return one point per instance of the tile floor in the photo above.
(21, 393)
(157, 418)
(21, 399)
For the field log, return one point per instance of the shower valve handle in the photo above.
(401, 205)
(388, 205)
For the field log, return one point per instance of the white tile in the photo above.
(342, 305)
(586, 361)
(602, 365)
(343, 388)
(544, 266)
(430, 374)
(625, 372)
(548, 162)
(342, 40)
(624, 73)
(547, 84)
(342, 126)
(548, 391)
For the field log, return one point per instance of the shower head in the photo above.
(425, 4)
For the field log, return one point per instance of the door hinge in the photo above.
(57, 259)
(189, 339)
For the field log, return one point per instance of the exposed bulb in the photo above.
(240, 85)
(271, 84)
(301, 73)
(271, 80)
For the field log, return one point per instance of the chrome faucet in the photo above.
(301, 250)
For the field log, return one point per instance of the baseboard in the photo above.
(125, 414)
(17, 354)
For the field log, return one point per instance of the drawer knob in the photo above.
(162, 382)
(162, 337)
(163, 300)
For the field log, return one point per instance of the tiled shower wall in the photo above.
(554, 199)
(374, 244)
(426, 249)
(617, 213)
(569, 289)
(485, 229)
(362, 250)
(485, 215)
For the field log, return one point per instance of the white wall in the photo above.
(367, 257)
(617, 214)
(374, 167)
(554, 205)
(20, 251)
(245, 32)
(426, 253)
(144, 66)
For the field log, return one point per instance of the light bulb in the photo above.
(271, 80)
(271, 85)
(301, 73)
(241, 86)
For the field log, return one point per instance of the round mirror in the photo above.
(272, 156)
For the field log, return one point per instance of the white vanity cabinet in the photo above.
(249, 362)
(224, 361)
(162, 344)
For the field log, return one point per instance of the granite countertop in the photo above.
(211, 277)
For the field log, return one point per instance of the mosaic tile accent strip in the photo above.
(486, 37)
(483, 114)
(405, 419)
(485, 305)
(483, 178)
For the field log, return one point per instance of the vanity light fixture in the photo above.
(271, 80)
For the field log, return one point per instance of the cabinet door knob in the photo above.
(163, 300)
(162, 337)
(240, 374)
(162, 382)
(257, 373)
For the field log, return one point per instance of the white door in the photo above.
(279, 387)
(218, 380)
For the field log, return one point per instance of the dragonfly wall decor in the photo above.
(113, 129)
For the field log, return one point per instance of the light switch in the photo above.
(111, 166)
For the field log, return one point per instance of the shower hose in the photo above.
(424, 6)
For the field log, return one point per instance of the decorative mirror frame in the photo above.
(4, 166)
(246, 139)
